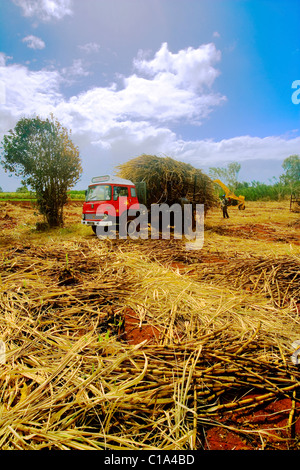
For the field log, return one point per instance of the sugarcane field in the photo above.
(150, 344)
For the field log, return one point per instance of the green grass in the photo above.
(17, 196)
(30, 196)
(76, 195)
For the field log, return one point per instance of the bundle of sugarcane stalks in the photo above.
(167, 180)
(69, 379)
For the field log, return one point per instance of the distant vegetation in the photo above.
(16, 196)
(30, 196)
(255, 191)
(76, 195)
(278, 189)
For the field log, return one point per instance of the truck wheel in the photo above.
(131, 227)
(127, 226)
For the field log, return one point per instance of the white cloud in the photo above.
(77, 69)
(28, 92)
(169, 95)
(189, 69)
(90, 47)
(162, 98)
(45, 10)
(33, 42)
(4, 58)
(241, 148)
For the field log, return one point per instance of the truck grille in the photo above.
(92, 217)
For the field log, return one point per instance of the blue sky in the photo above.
(205, 82)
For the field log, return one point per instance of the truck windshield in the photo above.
(99, 192)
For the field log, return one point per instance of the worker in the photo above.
(224, 205)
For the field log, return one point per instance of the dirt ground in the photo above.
(263, 228)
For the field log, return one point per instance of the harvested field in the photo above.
(146, 344)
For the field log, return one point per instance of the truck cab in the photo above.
(108, 199)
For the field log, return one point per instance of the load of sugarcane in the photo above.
(167, 180)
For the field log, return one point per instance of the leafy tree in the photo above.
(42, 152)
(291, 177)
(22, 189)
(1, 190)
(228, 175)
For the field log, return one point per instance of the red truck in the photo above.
(108, 200)
(115, 203)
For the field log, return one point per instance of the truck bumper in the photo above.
(101, 223)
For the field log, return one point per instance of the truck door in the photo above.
(120, 196)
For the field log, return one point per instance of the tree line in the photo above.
(279, 188)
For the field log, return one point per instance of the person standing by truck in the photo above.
(224, 205)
